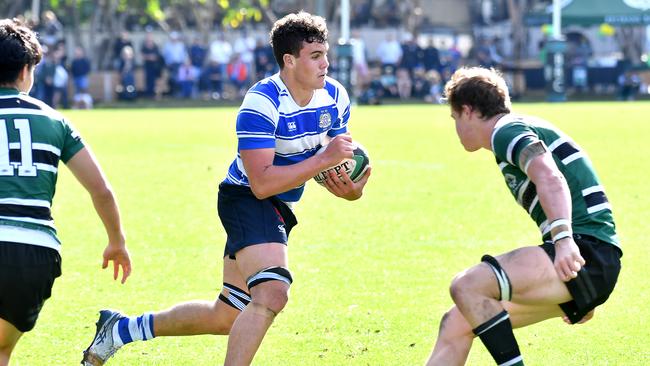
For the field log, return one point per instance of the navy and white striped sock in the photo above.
(130, 329)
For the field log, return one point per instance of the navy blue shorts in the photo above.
(595, 281)
(249, 221)
(27, 274)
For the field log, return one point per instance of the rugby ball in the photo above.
(355, 166)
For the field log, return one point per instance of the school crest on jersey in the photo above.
(325, 119)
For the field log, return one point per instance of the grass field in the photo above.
(371, 276)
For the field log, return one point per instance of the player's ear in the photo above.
(289, 60)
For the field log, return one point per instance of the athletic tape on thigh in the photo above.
(270, 274)
(505, 288)
(237, 298)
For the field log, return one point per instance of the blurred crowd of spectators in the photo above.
(190, 67)
(409, 70)
(176, 68)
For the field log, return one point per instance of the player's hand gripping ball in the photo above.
(355, 166)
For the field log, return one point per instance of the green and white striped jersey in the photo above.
(592, 212)
(33, 138)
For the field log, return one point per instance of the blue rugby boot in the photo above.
(103, 345)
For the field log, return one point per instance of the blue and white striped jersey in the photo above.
(270, 118)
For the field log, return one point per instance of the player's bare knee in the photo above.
(461, 286)
(270, 288)
(273, 295)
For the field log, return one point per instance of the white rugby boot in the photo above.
(103, 346)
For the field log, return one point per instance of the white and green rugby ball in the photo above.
(355, 166)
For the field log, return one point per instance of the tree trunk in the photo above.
(94, 30)
(73, 14)
(631, 40)
(517, 9)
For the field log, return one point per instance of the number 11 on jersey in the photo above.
(26, 167)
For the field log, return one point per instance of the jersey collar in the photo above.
(9, 91)
(504, 120)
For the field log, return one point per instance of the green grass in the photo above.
(372, 276)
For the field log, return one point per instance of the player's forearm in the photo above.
(555, 198)
(108, 211)
(276, 179)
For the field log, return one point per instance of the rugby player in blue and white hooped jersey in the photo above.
(283, 121)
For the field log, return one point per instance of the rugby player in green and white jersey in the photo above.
(33, 139)
(552, 178)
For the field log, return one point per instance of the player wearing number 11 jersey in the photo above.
(33, 139)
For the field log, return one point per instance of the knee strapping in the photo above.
(270, 274)
(505, 288)
(237, 298)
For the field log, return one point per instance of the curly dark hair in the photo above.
(289, 32)
(480, 88)
(18, 47)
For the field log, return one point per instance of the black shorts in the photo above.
(597, 278)
(27, 273)
(249, 221)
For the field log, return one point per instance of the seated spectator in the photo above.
(214, 77)
(373, 93)
(388, 81)
(126, 89)
(421, 86)
(80, 69)
(188, 76)
(237, 72)
(404, 84)
(435, 87)
(628, 83)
